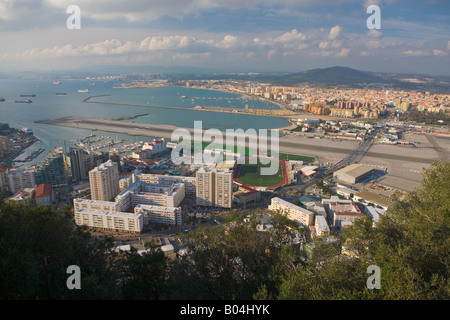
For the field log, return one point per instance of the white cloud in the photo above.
(439, 53)
(292, 36)
(271, 54)
(229, 41)
(334, 32)
(374, 33)
(344, 52)
(416, 53)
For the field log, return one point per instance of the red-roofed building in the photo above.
(341, 213)
(44, 194)
(246, 194)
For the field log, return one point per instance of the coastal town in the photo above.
(346, 150)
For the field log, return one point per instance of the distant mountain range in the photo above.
(330, 76)
(348, 77)
(337, 76)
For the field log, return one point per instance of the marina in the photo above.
(32, 156)
(93, 142)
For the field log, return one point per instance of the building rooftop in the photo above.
(375, 198)
(355, 170)
(309, 170)
(293, 206)
(44, 190)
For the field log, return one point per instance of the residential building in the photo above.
(167, 180)
(214, 187)
(341, 213)
(292, 211)
(321, 226)
(52, 169)
(154, 203)
(20, 178)
(25, 196)
(104, 181)
(104, 220)
(79, 164)
(159, 214)
(5, 146)
(3, 179)
(44, 194)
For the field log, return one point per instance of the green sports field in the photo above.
(250, 174)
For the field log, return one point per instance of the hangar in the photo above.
(353, 173)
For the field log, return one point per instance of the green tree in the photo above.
(143, 276)
(39, 244)
(410, 245)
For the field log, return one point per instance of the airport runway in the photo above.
(290, 145)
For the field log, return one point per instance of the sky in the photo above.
(226, 35)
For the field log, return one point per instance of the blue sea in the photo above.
(46, 104)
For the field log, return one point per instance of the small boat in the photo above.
(2, 99)
(29, 131)
(23, 101)
(83, 90)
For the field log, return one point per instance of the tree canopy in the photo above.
(409, 244)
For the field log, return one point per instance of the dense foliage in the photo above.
(410, 245)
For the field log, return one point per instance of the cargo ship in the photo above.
(60, 94)
(56, 82)
(23, 101)
(28, 95)
(83, 90)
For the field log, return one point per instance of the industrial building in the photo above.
(353, 173)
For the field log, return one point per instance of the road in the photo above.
(353, 157)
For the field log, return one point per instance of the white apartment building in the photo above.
(292, 211)
(321, 226)
(104, 181)
(155, 146)
(155, 203)
(166, 180)
(105, 220)
(20, 178)
(159, 214)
